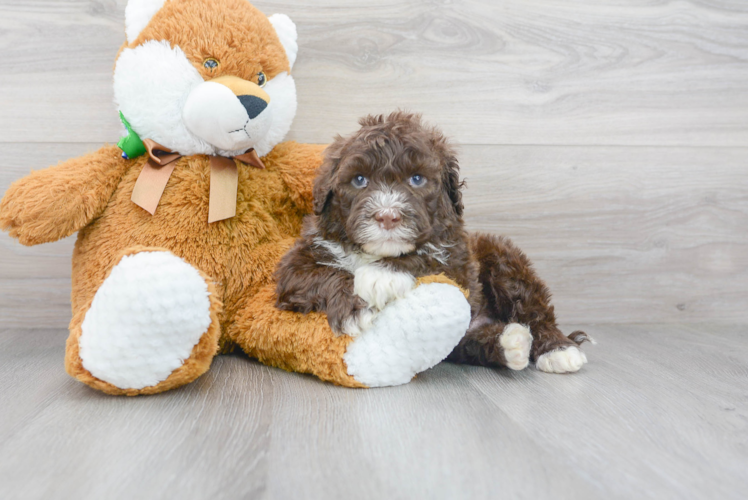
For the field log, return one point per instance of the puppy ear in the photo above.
(325, 179)
(452, 187)
(451, 181)
(322, 187)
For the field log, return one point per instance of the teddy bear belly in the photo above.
(240, 254)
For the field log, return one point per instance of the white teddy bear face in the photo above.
(165, 98)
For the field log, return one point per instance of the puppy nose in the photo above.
(388, 219)
(253, 104)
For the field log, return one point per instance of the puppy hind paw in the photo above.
(568, 360)
(516, 341)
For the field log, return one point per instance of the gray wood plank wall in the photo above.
(608, 139)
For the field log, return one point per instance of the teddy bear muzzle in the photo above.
(229, 113)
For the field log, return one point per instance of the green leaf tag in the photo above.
(131, 145)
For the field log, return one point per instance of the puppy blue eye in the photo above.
(360, 182)
(417, 181)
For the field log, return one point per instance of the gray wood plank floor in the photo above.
(659, 412)
(608, 139)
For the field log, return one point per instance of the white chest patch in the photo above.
(347, 261)
(373, 282)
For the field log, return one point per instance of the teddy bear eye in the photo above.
(210, 63)
(360, 182)
(417, 180)
(261, 79)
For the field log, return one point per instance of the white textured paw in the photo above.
(144, 320)
(358, 323)
(567, 360)
(409, 336)
(516, 341)
(379, 286)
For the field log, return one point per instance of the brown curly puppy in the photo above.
(387, 210)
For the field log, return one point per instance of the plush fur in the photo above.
(388, 210)
(138, 14)
(163, 66)
(286, 31)
(158, 70)
(195, 365)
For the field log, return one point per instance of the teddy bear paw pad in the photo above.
(409, 336)
(144, 320)
(567, 360)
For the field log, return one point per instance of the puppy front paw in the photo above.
(516, 341)
(379, 286)
(357, 323)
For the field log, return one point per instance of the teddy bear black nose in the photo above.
(253, 104)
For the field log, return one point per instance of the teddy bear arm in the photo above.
(53, 203)
(408, 336)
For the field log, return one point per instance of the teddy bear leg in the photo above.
(294, 342)
(410, 335)
(151, 326)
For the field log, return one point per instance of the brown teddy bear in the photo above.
(178, 236)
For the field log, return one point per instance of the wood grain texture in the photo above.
(511, 72)
(44, 261)
(608, 139)
(620, 234)
(659, 412)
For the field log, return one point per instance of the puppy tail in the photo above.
(579, 338)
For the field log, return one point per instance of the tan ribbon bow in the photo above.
(224, 180)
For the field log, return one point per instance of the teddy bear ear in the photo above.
(138, 14)
(286, 30)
